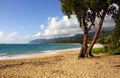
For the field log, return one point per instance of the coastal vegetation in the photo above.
(86, 12)
(116, 32)
(103, 51)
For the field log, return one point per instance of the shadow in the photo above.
(117, 54)
(117, 66)
(38, 63)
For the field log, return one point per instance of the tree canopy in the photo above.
(86, 12)
(90, 8)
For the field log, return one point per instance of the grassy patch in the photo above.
(101, 50)
(98, 50)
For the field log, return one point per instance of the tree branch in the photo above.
(98, 29)
(84, 27)
(92, 23)
(98, 14)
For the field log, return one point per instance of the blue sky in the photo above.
(25, 20)
(27, 14)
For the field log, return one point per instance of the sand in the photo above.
(62, 65)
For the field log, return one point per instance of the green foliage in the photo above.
(98, 50)
(116, 32)
(105, 40)
(108, 39)
(114, 51)
(111, 52)
(101, 40)
(90, 8)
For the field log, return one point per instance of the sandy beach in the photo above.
(62, 65)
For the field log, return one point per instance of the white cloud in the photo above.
(13, 34)
(61, 27)
(56, 28)
(8, 38)
(42, 27)
(15, 37)
(67, 27)
(37, 34)
(1, 34)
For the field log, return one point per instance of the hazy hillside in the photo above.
(73, 39)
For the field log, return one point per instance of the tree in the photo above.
(86, 12)
(116, 32)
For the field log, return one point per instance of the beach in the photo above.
(61, 65)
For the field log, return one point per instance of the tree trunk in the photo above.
(84, 46)
(96, 35)
(85, 50)
(85, 38)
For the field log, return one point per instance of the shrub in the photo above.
(114, 51)
(98, 50)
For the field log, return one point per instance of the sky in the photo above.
(25, 20)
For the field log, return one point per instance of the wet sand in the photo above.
(62, 65)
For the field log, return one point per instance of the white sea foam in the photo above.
(21, 56)
(2, 54)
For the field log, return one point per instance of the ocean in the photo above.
(13, 51)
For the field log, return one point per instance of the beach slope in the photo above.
(61, 65)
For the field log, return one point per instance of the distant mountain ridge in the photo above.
(78, 38)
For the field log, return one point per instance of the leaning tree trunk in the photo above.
(85, 50)
(96, 35)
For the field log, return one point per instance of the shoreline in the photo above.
(31, 55)
(61, 65)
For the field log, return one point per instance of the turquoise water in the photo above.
(24, 50)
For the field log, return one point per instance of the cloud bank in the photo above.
(8, 38)
(60, 27)
(56, 28)
(69, 27)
